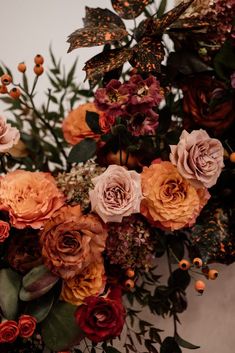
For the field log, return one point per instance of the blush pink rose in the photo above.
(9, 135)
(198, 158)
(170, 201)
(29, 197)
(117, 194)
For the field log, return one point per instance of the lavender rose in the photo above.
(9, 135)
(117, 194)
(198, 158)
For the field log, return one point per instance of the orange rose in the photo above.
(27, 325)
(75, 128)
(170, 201)
(71, 241)
(8, 331)
(90, 282)
(29, 197)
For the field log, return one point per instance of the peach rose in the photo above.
(90, 282)
(4, 231)
(74, 126)
(117, 194)
(71, 241)
(9, 135)
(29, 197)
(198, 158)
(170, 201)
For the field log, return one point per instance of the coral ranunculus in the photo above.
(198, 158)
(199, 93)
(4, 231)
(90, 282)
(9, 136)
(9, 331)
(29, 197)
(27, 325)
(101, 318)
(75, 128)
(117, 194)
(170, 201)
(71, 241)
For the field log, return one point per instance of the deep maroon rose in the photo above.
(27, 325)
(8, 331)
(205, 105)
(102, 318)
(4, 231)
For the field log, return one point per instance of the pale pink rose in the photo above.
(117, 194)
(29, 197)
(9, 135)
(198, 158)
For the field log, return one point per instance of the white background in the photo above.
(28, 27)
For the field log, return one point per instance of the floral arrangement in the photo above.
(98, 183)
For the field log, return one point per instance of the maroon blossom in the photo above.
(143, 123)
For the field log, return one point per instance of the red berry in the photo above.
(184, 265)
(200, 286)
(21, 67)
(6, 79)
(15, 93)
(38, 59)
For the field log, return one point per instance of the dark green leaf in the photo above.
(184, 343)
(129, 9)
(154, 335)
(92, 120)
(224, 61)
(71, 73)
(10, 282)
(99, 17)
(59, 329)
(148, 344)
(94, 36)
(40, 307)
(169, 345)
(109, 349)
(161, 8)
(179, 279)
(25, 82)
(82, 151)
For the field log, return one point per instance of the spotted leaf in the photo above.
(94, 36)
(129, 9)
(101, 17)
(104, 62)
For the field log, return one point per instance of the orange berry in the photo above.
(38, 69)
(213, 274)
(38, 59)
(232, 157)
(21, 67)
(130, 273)
(129, 284)
(184, 264)
(6, 79)
(3, 89)
(197, 262)
(199, 286)
(15, 93)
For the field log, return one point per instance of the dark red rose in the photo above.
(27, 325)
(102, 318)
(205, 105)
(4, 231)
(8, 331)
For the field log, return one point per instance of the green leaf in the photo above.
(92, 120)
(40, 307)
(224, 61)
(179, 279)
(59, 329)
(71, 73)
(109, 349)
(181, 342)
(83, 151)
(169, 345)
(162, 8)
(10, 283)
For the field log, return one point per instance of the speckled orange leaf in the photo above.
(101, 17)
(129, 9)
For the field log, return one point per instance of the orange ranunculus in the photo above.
(71, 241)
(170, 201)
(90, 282)
(75, 128)
(29, 197)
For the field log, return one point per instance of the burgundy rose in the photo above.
(102, 318)
(27, 325)
(8, 331)
(4, 231)
(205, 105)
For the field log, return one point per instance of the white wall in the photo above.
(28, 27)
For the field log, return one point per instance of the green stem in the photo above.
(34, 85)
(170, 270)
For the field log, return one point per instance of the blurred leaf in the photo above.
(169, 345)
(154, 335)
(109, 349)
(59, 329)
(83, 151)
(92, 120)
(129, 9)
(224, 61)
(25, 83)
(149, 345)
(10, 283)
(101, 17)
(179, 279)
(71, 73)
(40, 307)
(161, 8)
(184, 343)
(94, 36)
